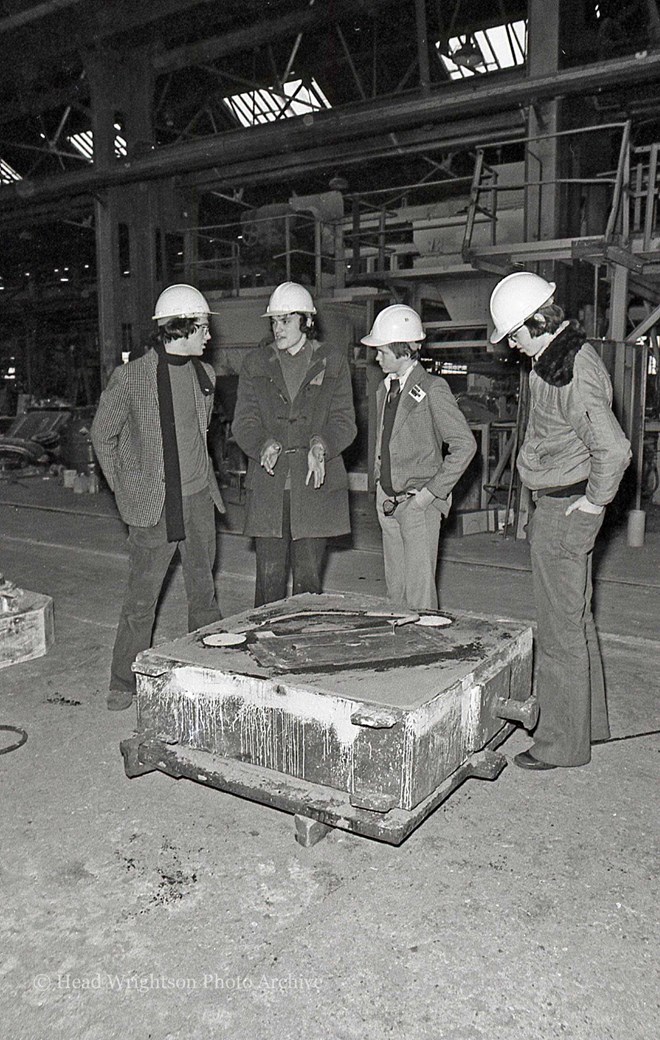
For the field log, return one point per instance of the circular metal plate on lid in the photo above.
(433, 621)
(224, 639)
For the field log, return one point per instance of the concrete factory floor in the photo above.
(522, 909)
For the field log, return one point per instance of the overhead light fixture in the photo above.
(338, 182)
(468, 55)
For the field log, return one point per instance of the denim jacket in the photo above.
(572, 433)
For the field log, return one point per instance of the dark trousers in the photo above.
(570, 682)
(273, 557)
(150, 555)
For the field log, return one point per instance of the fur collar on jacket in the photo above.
(555, 366)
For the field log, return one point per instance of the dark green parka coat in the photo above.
(322, 409)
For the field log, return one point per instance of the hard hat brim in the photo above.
(496, 336)
(168, 317)
(283, 314)
(377, 343)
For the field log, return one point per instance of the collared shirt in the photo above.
(402, 379)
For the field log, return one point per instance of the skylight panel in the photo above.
(502, 47)
(84, 144)
(265, 106)
(8, 174)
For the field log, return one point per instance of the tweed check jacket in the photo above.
(128, 443)
(427, 418)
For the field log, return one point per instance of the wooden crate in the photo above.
(26, 625)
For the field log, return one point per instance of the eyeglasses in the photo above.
(204, 327)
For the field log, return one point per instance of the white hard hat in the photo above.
(515, 299)
(180, 301)
(289, 298)
(395, 324)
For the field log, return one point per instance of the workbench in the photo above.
(341, 709)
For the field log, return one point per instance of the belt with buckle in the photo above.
(564, 491)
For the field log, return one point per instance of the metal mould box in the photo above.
(337, 707)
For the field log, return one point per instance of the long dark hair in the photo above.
(173, 329)
(548, 318)
(307, 324)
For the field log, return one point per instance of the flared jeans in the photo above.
(569, 679)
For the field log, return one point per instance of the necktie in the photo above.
(389, 414)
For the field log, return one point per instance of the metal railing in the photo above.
(485, 186)
(381, 228)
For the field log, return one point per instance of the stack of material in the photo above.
(26, 624)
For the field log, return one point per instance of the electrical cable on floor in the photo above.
(630, 736)
(18, 743)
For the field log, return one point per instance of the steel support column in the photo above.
(617, 332)
(422, 46)
(121, 91)
(542, 202)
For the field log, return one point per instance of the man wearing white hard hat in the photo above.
(149, 434)
(423, 446)
(294, 417)
(573, 457)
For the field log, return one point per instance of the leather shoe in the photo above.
(119, 700)
(526, 760)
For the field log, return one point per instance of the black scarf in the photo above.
(176, 531)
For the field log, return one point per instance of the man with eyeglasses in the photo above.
(423, 446)
(294, 417)
(149, 434)
(573, 457)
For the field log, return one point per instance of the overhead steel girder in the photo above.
(100, 24)
(467, 133)
(347, 124)
(66, 210)
(645, 326)
(202, 52)
(265, 31)
(15, 21)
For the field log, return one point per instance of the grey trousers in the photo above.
(570, 681)
(150, 555)
(410, 552)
